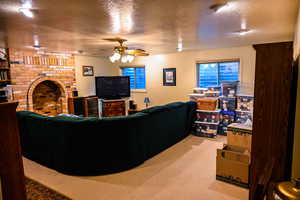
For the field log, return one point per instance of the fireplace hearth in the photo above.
(47, 98)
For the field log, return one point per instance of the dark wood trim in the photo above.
(271, 125)
(11, 165)
(292, 118)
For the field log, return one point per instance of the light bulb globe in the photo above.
(117, 55)
(124, 59)
(130, 58)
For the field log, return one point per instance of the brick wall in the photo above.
(28, 69)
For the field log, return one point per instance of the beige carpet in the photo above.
(185, 171)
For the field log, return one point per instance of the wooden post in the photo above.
(270, 157)
(11, 165)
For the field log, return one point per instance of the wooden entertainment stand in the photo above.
(94, 107)
(112, 108)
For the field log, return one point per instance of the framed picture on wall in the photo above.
(169, 76)
(87, 70)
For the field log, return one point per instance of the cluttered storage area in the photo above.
(227, 110)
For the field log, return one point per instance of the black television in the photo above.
(112, 87)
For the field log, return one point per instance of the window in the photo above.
(214, 73)
(137, 76)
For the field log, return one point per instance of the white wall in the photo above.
(102, 67)
(185, 64)
(296, 154)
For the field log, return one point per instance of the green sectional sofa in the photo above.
(95, 146)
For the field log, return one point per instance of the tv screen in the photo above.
(112, 87)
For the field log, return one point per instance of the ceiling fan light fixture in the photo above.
(112, 59)
(130, 58)
(124, 59)
(116, 55)
(26, 12)
(26, 9)
(122, 53)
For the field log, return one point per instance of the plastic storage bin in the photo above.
(208, 116)
(199, 90)
(206, 129)
(207, 103)
(245, 102)
(226, 118)
(243, 116)
(213, 91)
(229, 88)
(196, 96)
(227, 103)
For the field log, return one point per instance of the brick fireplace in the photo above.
(42, 83)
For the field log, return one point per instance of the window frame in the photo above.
(217, 61)
(135, 66)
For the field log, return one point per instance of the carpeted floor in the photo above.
(186, 171)
(38, 191)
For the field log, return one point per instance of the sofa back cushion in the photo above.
(165, 126)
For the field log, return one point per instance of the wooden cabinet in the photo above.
(271, 140)
(112, 108)
(11, 165)
(83, 106)
(76, 106)
(91, 107)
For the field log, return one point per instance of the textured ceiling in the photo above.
(155, 25)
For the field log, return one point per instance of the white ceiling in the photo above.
(155, 25)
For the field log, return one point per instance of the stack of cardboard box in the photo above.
(233, 160)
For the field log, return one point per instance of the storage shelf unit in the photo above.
(112, 108)
(5, 77)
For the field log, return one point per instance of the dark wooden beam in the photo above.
(11, 165)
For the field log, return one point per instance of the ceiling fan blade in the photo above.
(137, 50)
(124, 49)
(115, 39)
(138, 53)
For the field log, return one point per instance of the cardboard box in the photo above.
(207, 104)
(233, 165)
(239, 135)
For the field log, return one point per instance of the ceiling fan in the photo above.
(123, 53)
